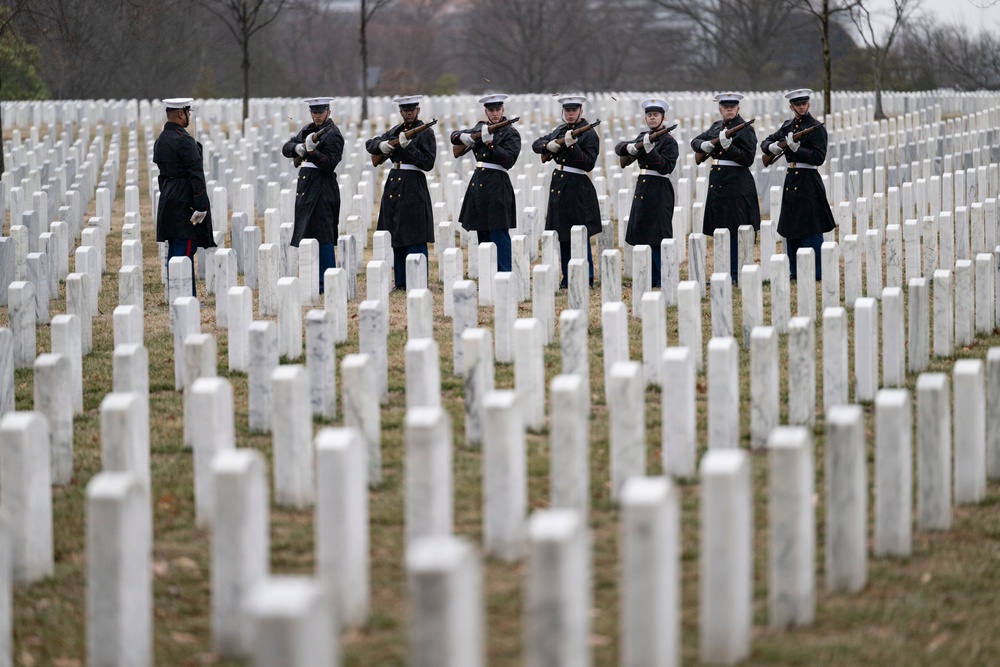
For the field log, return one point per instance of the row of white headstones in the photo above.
(231, 488)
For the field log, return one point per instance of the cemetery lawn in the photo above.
(938, 607)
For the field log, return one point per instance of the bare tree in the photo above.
(114, 48)
(878, 41)
(969, 62)
(620, 57)
(413, 47)
(244, 19)
(11, 11)
(825, 11)
(526, 45)
(748, 34)
(368, 10)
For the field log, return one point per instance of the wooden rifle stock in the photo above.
(767, 158)
(317, 135)
(546, 156)
(461, 149)
(627, 159)
(381, 157)
(700, 157)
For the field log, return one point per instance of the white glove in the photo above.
(300, 150)
(487, 137)
(775, 149)
(198, 217)
(385, 147)
(707, 147)
(403, 140)
(632, 148)
(792, 144)
(647, 145)
(311, 143)
(569, 139)
(553, 146)
(467, 139)
(725, 141)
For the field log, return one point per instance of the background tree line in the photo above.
(132, 48)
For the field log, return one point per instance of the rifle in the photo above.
(627, 159)
(381, 157)
(546, 156)
(767, 158)
(317, 135)
(700, 157)
(461, 149)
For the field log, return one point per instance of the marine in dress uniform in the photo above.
(184, 214)
(732, 194)
(805, 212)
(572, 197)
(651, 217)
(489, 208)
(406, 211)
(317, 195)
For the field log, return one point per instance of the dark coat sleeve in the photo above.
(664, 155)
(196, 174)
(707, 135)
(775, 136)
(455, 136)
(621, 148)
(742, 150)
(288, 150)
(329, 152)
(422, 150)
(505, 148)
(812, 148)
(663, 158)
(583, 154)
(538, 145)
(372, 144)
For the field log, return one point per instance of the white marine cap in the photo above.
(655, 104)
(798, 94)
(728, 98)
(318, 102)
(407, 100)
(492, 99)
(178, 103)
(572, 100)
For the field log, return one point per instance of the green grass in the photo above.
(935, 608)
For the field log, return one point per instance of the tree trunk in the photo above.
(246, 75)
(3, 165)
(877, 64)
(827, 76)
(364, 60)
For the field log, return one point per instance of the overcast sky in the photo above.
(964, 11)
